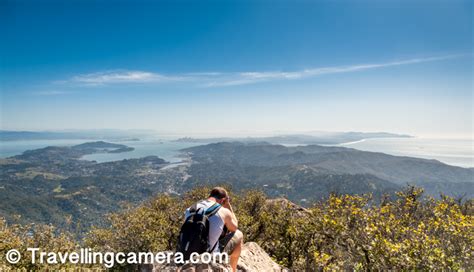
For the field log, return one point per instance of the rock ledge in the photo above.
(252, 259)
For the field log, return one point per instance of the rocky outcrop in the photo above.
(252, 259)
(285, 203)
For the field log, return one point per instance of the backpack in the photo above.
(194, 233)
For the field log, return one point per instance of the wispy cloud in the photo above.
(120, 76)
(254, 77)
(220, 79)
(50, 93)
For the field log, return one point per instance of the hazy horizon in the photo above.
(236, 134)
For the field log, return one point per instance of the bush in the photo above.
(341, 233)
(45, 237)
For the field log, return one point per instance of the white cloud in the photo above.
(120, 76)
(214, 79)
(48, 93)
(254, 77)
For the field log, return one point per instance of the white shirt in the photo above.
(216, 224)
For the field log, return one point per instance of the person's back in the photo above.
(216, 224)
(223, 235)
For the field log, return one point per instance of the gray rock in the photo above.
(252, 259)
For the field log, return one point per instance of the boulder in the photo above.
(252, 259)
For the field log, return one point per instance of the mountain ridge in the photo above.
(399, 170)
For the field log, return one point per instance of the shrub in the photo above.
(344, 232)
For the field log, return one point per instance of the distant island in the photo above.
(130, 140)
(328, 138)
(101, 146)
(53, 153)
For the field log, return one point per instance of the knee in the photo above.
(239, 236)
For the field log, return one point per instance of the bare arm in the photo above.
(230, 220)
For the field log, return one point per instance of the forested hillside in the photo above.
(309, 172)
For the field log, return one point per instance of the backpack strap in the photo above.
(192, 211)
(212, 210)
(193, 208)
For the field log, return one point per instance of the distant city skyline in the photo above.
(238, 68)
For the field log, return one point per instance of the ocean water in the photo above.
(166, 150)
(458, 152)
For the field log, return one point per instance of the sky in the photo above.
(238, 67)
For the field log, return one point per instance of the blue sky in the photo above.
(247, 67)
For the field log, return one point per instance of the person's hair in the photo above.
(218, 193)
